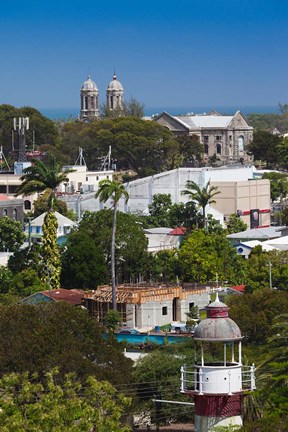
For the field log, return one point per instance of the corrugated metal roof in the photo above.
(205, 121)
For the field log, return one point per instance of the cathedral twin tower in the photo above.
(89, 94)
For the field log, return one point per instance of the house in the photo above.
(72, 297)
(221, 135)
(163, 238)
(261, 234)
(145, 306)
(34, 229)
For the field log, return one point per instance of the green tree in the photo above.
(264, 147)
(278, 185)
(191, 148)
(11, 234)
(131, 243)
(40, 177)
(83, 262)
(254, 313)
(202, 196)
(134, 108)
(112, 190)
(159, 210)
(50, 252)
(27, 404)
(42, 204)
(206, 256)
(48, 335)
(112, 320)
(235, 224)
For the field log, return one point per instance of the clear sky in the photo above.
(166, 53)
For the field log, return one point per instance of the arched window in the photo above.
(241, 143)
(218, 148)
(111, 102)
(15, 214)
(5, 212)
(206, 148)
(27, 205)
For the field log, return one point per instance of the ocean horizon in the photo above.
(70, 113)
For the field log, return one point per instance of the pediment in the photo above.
(239, 122)
(166, 120)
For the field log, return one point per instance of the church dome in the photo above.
(115, 84)
(89, 85)
(217, 326)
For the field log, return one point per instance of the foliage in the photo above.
(205, 256)
(264, 147)
(278, 184)
(27, 404)
(42, 204)
(112, 320)
(11, 234)
(113, 191)
(44, 128)
(269, 121)
(83, 262)
(190, 148)
(40, 177)
(159, 210)
(38, 338)
(202, 196)
(142, 146)
(163, 266)
(254, 313)
(131, 243)
(157, 375)
(50, 252)
(235, 224)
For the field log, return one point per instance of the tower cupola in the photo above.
(115, 95)
(89, 100)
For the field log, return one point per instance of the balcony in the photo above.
(216, 378)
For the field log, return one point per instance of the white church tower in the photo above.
(218, 386)
(115, 95)
(89, 100)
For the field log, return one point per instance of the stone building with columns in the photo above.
(223, 136)
(89, 96)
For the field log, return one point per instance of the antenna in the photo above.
(3, 158)
(21, 124)
(80, 158)
(108, 163)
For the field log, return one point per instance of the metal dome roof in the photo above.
(217, 326)
(115, 84)
(89, 85)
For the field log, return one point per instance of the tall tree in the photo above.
(203, 196)
(40, 177)
(112, 190)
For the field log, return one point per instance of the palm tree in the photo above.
(45, 178)
(203, 196)
(40, 177)
(114, 190)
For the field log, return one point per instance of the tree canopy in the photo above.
(26, 404)
(11, 234)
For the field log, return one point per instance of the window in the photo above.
(27, 205)
(218, 149)
(241, 143)
(15, 214)
(164, 310)
(206, 139)
(191, 305)
(5, 212)
(206, 148)
(218, 137)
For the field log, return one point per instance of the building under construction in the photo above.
(146, 305)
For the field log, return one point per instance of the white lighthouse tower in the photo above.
(218, 386)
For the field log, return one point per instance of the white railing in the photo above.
(192, 380)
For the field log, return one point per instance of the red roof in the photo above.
(239, 288)
(178, 231)
(72, 296)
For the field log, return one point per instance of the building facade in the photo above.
(224, 137)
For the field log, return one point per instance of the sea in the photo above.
(71, 113)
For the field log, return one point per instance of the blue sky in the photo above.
(166, 53)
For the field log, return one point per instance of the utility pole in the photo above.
(270, 274)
